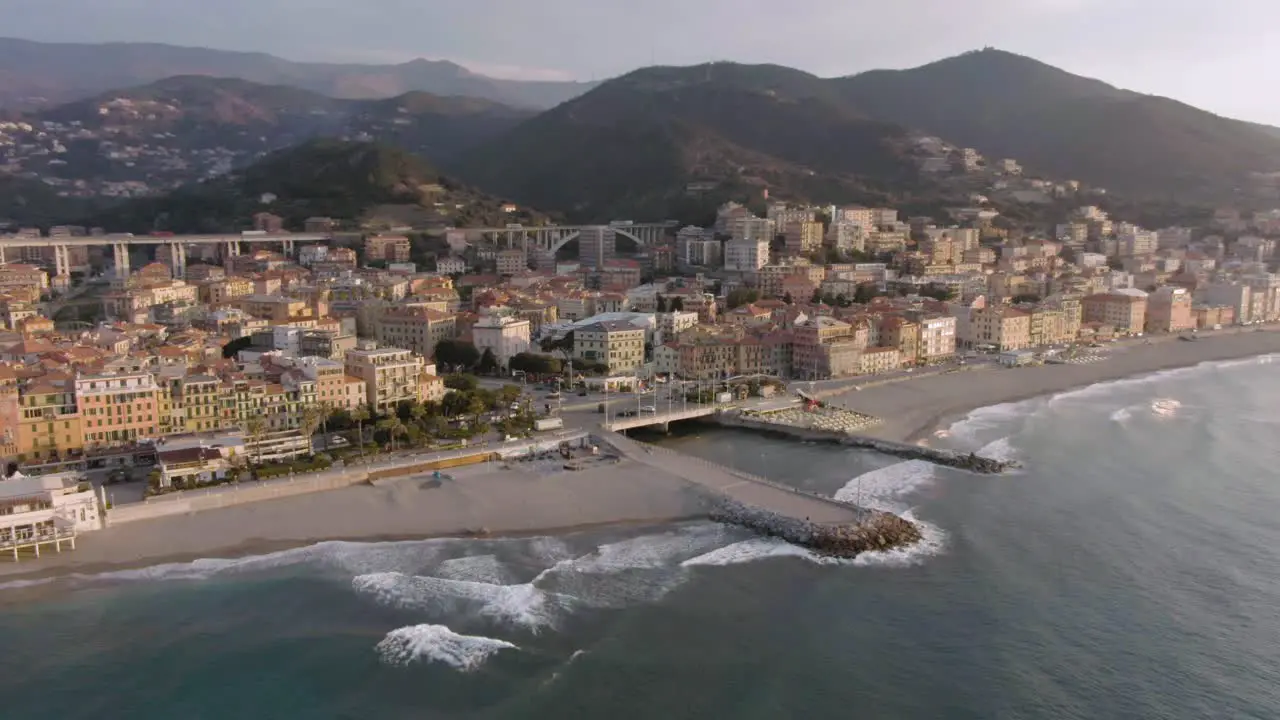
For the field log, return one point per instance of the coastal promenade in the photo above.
(190, 501)
(744, 488)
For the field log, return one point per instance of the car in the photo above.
(338, 441)
(627, 413)
(648, 409)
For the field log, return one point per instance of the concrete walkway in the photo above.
(743, 487)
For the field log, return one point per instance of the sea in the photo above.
(1129, 569)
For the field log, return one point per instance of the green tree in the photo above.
(359, 416)
(509, 394)
(230, 349)
(865, 293)
(461, 381)
(393, 427)
(662, 303)
(488, 363)
(255, 429)
(562, 345)
(309, 420)
(787, 298)
(817, 296)
(456, 354)
(677, 304)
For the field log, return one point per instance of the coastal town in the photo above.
(171, 363)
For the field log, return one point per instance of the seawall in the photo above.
(948, 458)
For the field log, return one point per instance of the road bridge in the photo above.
(120, 243)
(648, 419)
(550, 238)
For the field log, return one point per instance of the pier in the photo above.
(16, 544)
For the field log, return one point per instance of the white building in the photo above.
(451, 265)
(671, 324)
(505, 337)
(746, 255)
(937, 338)
(751, 227)
(847, 237)
(42, 513)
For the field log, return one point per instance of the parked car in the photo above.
(648, 409)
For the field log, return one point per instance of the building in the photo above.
(1001, 328)
(387, 248)
(824, 347)
(390, 375)
(1169, 310)
(620, 345)
(451, 265)
(596, 245)
(512, 262)
(1235, 295)
(746, 255)
(803, 237)
(847, 237)
(416, 329)
(119, 408)
(503, 336)
(1124, 310)
(46, 510)
(49, 425)
(937, 339)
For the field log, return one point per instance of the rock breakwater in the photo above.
(876, 531)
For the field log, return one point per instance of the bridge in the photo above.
(550, 238)
(122, 242)
(647, 419)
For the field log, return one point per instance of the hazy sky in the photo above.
(1222, 56)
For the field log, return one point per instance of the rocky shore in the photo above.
(877, 531)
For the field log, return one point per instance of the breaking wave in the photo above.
(513, 605)
(437, 643)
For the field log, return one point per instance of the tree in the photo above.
(309, 419)
(662, 303)
(787, 298)
(393, 427)
(460, 381)
(456, 354)
(817, 296)
(255, 429)
(360, 415)
(741, 296)
(937, 292)
(865, 293)
(1029, 298)
(488, 362)
(230, 349)
(509, 394)
(677, 304)
(562, 345)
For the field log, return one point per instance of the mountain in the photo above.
(34, 74)
(1070, 127)
(339, 179)
(634, 144)
(186, 128)
(25, 202)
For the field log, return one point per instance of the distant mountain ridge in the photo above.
(351, 181)
(35, 73)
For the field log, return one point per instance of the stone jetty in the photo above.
(971, 462)
(876, 531)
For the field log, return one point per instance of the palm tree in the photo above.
(309, 420)
(393, 426)
(418, 412)
(360, 414)
(255, 427)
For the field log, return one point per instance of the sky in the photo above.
(1219, 56)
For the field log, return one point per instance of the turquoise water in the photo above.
(1130, 571)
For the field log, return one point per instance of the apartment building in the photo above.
(803, 236)
(512, 262)
(387, 248)
(824, 347)
(772, 277)
(118, 408)
(617, 344)
(417, 330)
(1002, 328)
(49, 423)
(1169, 310)
(225, 290)
(746, 255)
(1126, 310)
(503, 336)
(390, 375)
(597, 245)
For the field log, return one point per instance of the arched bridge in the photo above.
(550, 238)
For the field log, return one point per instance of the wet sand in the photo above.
(914, 409)
(495, 501)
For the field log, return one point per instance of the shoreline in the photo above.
(914, 410)
(478, 503)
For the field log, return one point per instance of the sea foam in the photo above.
(521, 605)
(437, 643)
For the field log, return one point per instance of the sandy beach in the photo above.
(498, 501)
(914, 409)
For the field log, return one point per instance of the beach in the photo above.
(486, 499)
(914, 409)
